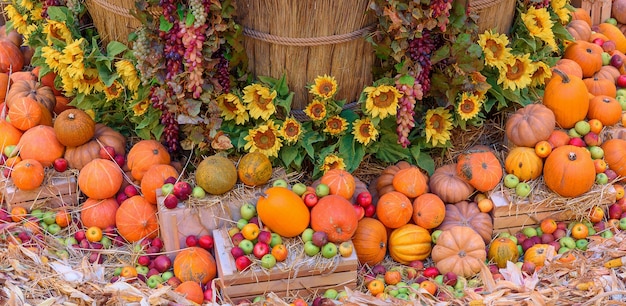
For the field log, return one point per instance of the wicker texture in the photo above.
(112, 19)
(496, 15)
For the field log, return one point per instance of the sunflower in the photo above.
(364, 131)
(438, 126)
(335, 125)
(332, 161)
(17, 19)
(264, 139)
(517, 74)
(539, 25)
(259, 100)
(495, 49)
(114, 91)
(72, 58)
(325, 87)
(560, 9)
(27, 4)
(128, 73)
(52, 57)
(316, 110)
(89, 82)
(541, 74)
(232, 108)
(57, 30)
(382, 101)
(291, 130)
(469, 106)
(141, 107)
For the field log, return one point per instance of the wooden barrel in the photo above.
(496, 15)
(307, 38)
(112, 19)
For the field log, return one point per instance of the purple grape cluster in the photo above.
(160, 99)
(222, 71)
(419, 51)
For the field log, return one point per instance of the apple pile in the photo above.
(176, 191)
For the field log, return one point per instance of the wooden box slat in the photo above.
(59, 191)
(599, 10)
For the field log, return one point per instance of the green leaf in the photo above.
(352, 151)
(288, 155)
(441, 54)
(407, 80)
(115, 47)
(60, 13)
(106, 75)
(281, 86)
(164, 24)
(189, 20)
(424, 161)
(269, 81)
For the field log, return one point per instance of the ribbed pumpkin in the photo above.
(74, 127)
(501, 250)
(579, 29)
(9, 135)
(428, 211)
(11, 57)
(569, 171)
(195, 264)
(568, 67)
(33, 90)
(613, 33)
(216, 174)
(615, 155)
(480, 167)
(608, 72)
(78, 157)
(410, 181)
(384, 183)
(394, 209)
(524, 163)
(530, 125)
(539, 253)
(154, 179)
(283, 211)
(606, 109)
(335, 216)
(192, 291)
(408, 243)
(40, 143)
(4, 85)
(598, 86)
(567, 97)
(100, 179)
(370, 241)
(143, 155)
(581, 14)
(25, 113)
(467, 214)
(448, 185)
(459, 250)
(340, 182)
(254, 169)
(100, 213)
(588, 55)
(136, 219)
(28, 174)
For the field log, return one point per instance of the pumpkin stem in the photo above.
(462, 253)
(571, 156)
(562, 74)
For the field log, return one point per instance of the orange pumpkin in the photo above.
(459, 250)
(579, 29)
(408, 243)
(569, 171)
(581, 14)
(194, 264)
(468, 214)
(598, 86)
(25, 113)
(370, 241)
(588, 55)
(62, 104)
(394, 209)
(568, 67)
(384, 183)
(448, 185)
(100, 213)
(254, 169)
(33, 90)
(40, 143)
(9, 135)
(524, 163)
(335, 216)
(4, 85)
(568, 98)
(410, 181)
(74, 127)
(428, 211)
(143, 155)
(28, 174)
(480, 168)
(136, 219)
(501, 250)
(154, 179)
(615, 155)
(191, 290)
(100, 179)
(340, 182)
(11, 57)
(608, 72)
(530, 125)
(606, 109)
(78, 157)
(613, 33)
(279, 202)
(539, 253)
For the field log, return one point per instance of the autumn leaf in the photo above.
(396, 22)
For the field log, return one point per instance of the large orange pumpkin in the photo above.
(502, 250)
(9, 135)
(581, 14)
(370, 241)
(154, 179)
(459, 250)
(428, 211)
(606, 109)
(28, 174)
(335, 216)
(33, 90)
(283, 211)
(579, 29)
(615, 155)
(340, 182)
(74, 127)
(192, 291)
(394, 209)
(408, 243)
(480, 168)
(11, 57)
(40, 143)
(568, 67)
(588, 55)
(25, 113)
(100, 213)
(469, 215)
(195, 264)
(78, 157)
(567, 97)
(599, 86)
(524, 163)
(530, 125)
(143, 155)
(448, 185)
(100, 179)
(136, 219)
(384, 182)
(411, 182)
(569, 171)
(254, 169)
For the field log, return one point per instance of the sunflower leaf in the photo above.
(114, 48)
(424, 160)
(288, 155)
(164, 24)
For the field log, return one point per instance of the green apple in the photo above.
(142, 269)
(435, 235)
(70, 241)
(117, 271)
(154, 280)
(63, 254)
(581, 244)
(54, 228)
(331, 294)
(612, 21)
(310, 249)
(276, 239)
(167, 189)
(307, 234)
(402, 296)
(513, 238)
(622, 99)
(10, 151)
(329, 250)
(268, 261)
(573, 133)
(622, 223)
(241, 223)
(606, 234)
(567, 242)
(602, 178)
(322, 190)
(592, 231)
(606, 58)
(298, 188)
(539, 231)
(403, 287)
(198, 192)
(49, 217)
(511, 180)
(246, 245)
(529, 231)
(392, 290)
(582, 127)
(522, 189)
(37, 213)
(258, 299)
(596, 152)
(106, 242)
(167, 275)
(43, 225)
(280, 183)
(563, 250)
(247, 211)
(415, 286)
(439, 279)
(342, 295)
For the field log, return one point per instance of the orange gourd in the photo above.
(568, 98)
(335, 216)
(581, 14)
(469, 215)
(40, 143)
(9, 135)
(588, 55)
(384, 183)
(408, 243)
(501, 250)
(195, 264)
(579, 29)
(100, 213)
(613, 33)
(615, 155)
(394, 209)
(191, 290)
(340, 182)
(606, 109)
(100, 179)
(539, 253)
(33, 90)
(459, 250)
(410, 181)
(283, 211)
(78, 157)
(600, 87)
(524, 163)
(428, 211)
(74, 127)
(136, 219)
(530, 125)
(11, 57)
(154, 179)
(480, 167)
(143, 155)
(25, 113)
(370, 241)
(608, 72)
(569, 171)
(569, 67)
(448, 185)
(28, 174)
(254, 169)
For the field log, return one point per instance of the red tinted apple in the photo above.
(107, 152)
(157, 242)
(170, 201)
(370, 211)
(119, 159)
(577, 141)
(237, 238)
(621, 81)
(182, 190)
(206, 242)
(310, 199)
(431, 272)
(265, 237)
(237, 252)
(616, 61)
(360, 211)
(143, 260)
(162, 263)
(131, 191)
(364, 199)
(60, 164)
(615, 211)
(598, 41)
(191, 241)
(417, 264)
(260, 249)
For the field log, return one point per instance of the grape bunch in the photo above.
(197, 8)
(222, 71)
(193, 39)
(46, 4)
(440, 8)
(160, 98)
(405, 117)
(419, 51)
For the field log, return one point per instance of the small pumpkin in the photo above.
(340, 182)
(216, 174)
(370, 241)
(394, 209)
(154, 179)
(33, 90)
(100, 213)
(568, 67)
(11, 57)
(530, 125)
(74, 127)
(581, 14)
(480, 167)
(195, 264)
(410, 181)
(459, 250)
(569, 171)
(606, 109)
(25, 113)
(408, 243)
(524, 163)
(40, 143)
(100, 179)
(254, 169)
(598, 86)
(615, 155)
(428, 211)
(278, 202)
(539, 253)
(608, 72)
(588, 55)
(579, 29)
(136, 219)
(192, 291)
(567, 97)
(335, 216)
(618, 11)
(448, 185)
(501, 250)
(468, 214)
(144, 154)
(78, 157)
(384, 183)
(28, 174)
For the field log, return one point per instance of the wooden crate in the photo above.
(303, 281)
(599, 10)
(58, 189)
(511, 216)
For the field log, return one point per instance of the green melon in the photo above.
(216, 174)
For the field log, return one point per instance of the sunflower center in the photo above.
(436, 123)
(365, 130)
(495, 48)
(515, 71)
(291, 130)
(317, 110)
(326, 88)
(263, 102)
(467, 106)
(383, 100)
(264, 140)
(230, 106)
(539, 23)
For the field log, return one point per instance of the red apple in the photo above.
(577, 141)
(555, 244)
(237, 252)
(170, 201)
(360, 211)
(529, 267)
(527, 244)
(264, 236)
(162, 263)
(60, 164)
(107, 152)
(493, 268)
(96, 257)
(206, 242)
(121, 197)
(616, 61)
(310, 199)
(615, 211)
(431, 272)
(319, 238)
(417, 264)
(621, 81)
(254, 220)
(79, 235)
(379, 269)
(364, 199)
(592, 139)
(119, 159)
(450, 278)
(143, 260)
(260, 249)
(237, 238)
(598, 41)
(173, 282)
(547, 238)
(370, 211)
(5, 216)
(520, 237)
(208, 294)
(157, 242)
(622, 203)
(191, 241)
(559, 233)
(562, 225)
(609, 46)
(131, 191)
(182, 190)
